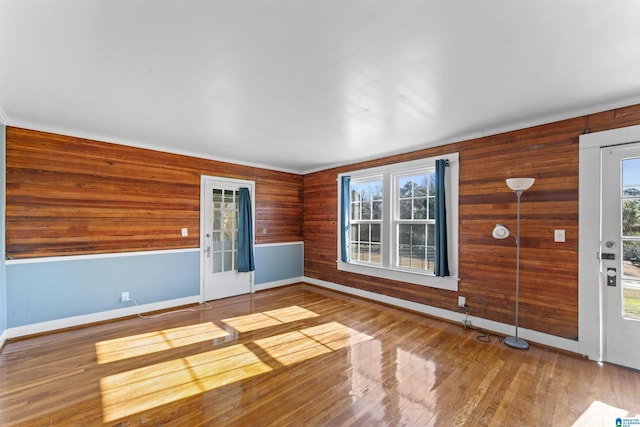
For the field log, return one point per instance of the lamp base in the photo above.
(516, 343)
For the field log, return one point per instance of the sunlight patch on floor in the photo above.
(303, 344)
(265, 319)
(141, 389)
(601, 414)
(153, 342)
(155, 385)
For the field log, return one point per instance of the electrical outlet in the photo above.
(462, 301)
(125, 297)
(185, 232)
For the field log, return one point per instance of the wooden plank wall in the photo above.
(73, 196)
(549, 270)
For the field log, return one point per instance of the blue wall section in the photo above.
(3, 283)
(278, 262)
(43, 291)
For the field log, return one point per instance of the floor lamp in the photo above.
(518, 185)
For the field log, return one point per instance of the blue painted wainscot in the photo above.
(53, 293)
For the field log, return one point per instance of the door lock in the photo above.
(208, 250)
(611, 277)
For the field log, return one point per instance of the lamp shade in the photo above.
(500, 232)
(520, 184)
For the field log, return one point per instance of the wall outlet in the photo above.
(125, 297)
(462, 301)
(558, 236)
(185, 232)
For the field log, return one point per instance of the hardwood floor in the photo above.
(301, 355)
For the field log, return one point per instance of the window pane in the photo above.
(432, 208)
(375, 254)
(404, 256)
(631, 258)
(404, 234)
(217, 199)
(364, 252)
(431, 234)
(405, 209)
(376, 210)
(631, 177)
(375, 233)
(418, 234)
(631, 299)
(420, 208)
(422, 185)
(353, 235)
(631, 217)
(417, 257)
(405, 187)
(364, 232)
(366, 210)
(354, 251)
(432, 184)
(216, 258)
(355, 211)
(228, 256)
(376, 190)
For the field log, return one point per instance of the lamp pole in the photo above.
(515, 341)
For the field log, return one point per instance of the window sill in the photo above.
(447, 283)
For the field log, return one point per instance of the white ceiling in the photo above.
(301, 85)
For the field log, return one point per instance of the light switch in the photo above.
(185, 232)
(558, 236)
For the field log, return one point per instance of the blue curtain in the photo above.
(345, 215)
(442, 259)
(245, 232)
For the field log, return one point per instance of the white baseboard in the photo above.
(52, 325)
(477, 322)
(3, 338)
(278, 283)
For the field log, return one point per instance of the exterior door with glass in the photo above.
(620, 254)
(219, 239)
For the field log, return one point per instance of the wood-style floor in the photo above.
(301, 356)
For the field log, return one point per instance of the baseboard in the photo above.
(454, 316)
(53, 325)
(278, 283)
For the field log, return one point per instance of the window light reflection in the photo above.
(265, 319)
(141, 389)
(153, 342)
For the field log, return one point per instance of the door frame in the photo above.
(590, 292)
(243, 183)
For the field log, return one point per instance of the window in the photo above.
(366, 220)
(414, 221)
(391, 230)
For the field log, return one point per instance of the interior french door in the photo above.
(620, 254)
(219, 239)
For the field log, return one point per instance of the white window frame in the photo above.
(388, 238)
(368, 178)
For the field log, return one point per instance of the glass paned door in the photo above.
(219, 200)
(620, 254)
